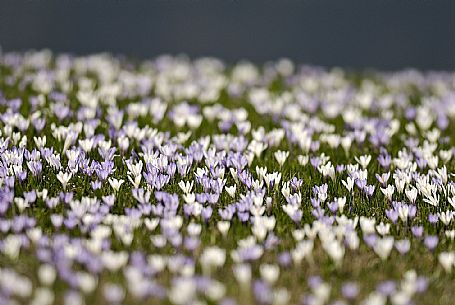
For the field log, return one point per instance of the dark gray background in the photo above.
(382, 34)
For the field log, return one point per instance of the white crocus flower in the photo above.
(298, 234)
(242, 273)
(411, 194)
(281, 156)
(189, 198)
(383, 247)
(269, 273)
(212, 257)
(450, 234)
(135, 169)
(400, 184)
(303, 249)
(383, 229)
(445, 155)
(403, 212)
(259, 231)
(47, 274)
(352, 240)
(341, 201)
(327, 170)
(286, 190)
(21, 203)
(432, 199)
(452, 201)
(86, 282)
(157, 262)
(231, 190)
(363, 160)
(223, 227)
(261, 172)
(446, 217)
(388, 192)
(64, 178)
(374, 298)
(42, 296)
(257, 147)
(447, 260)
(12, 246)
(348, 184)
(322, 293)
(303, 160)
(114, 260)
(367, 225)
(116, 184)
(186, 187)
(40, 142)
(281, 296)
(183, 291)
(86, 144)
(152, 223)
(335, 250)
(215, 290)
(136, 182)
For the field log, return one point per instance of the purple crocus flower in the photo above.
(385, 161)
(431, 241)
(350, 290)
(421, 284)
(370, 240)
(386, 288)
(285, 259)
(333, 206)
(433, 218)
(392, 214)
(417, 231)
(262, 292)
(403, 246)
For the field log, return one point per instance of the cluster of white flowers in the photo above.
(192, 182)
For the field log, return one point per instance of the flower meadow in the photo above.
(178, 181)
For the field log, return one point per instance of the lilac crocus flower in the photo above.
(417, 231)
(431, 241)
(350, 290)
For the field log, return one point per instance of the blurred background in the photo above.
(356, 34)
